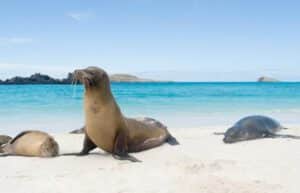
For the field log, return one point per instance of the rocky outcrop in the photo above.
(69, 79)
(36, 78)
(267, 79)
(39, 78)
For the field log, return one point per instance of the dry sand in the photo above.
(201, 164)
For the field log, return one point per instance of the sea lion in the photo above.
(31, 143)
(105, 125)
(4, 139)
(254, 127)
(146, 120)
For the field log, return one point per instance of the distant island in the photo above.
(267, 79)
(39, 78)
(127, 78)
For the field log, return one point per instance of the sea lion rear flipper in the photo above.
(172, 140)
(284, 136)
(120, 150)
(219, 133)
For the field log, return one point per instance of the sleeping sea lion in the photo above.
(31, 143)
(254, 127)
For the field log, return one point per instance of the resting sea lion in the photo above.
(31, 143)
(254, 127)
(105, 125)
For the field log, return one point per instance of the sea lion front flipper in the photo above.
(88, 146)
(120, 150)
(172, 140)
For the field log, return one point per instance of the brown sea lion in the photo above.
(31, 143)
(106, 127)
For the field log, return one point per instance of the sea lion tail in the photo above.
(172, 140)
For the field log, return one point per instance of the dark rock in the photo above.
(69, 79)
(39, 78)
(36, 78)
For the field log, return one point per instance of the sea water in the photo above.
(59, 108)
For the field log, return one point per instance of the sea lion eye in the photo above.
(92, 73)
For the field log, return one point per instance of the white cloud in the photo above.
(80, 15)
(14, 40)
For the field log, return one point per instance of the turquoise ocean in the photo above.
(58, 108)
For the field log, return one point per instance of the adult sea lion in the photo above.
(254, 127)
(31, 143)
(105, 125)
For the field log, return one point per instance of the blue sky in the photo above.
(187, 40)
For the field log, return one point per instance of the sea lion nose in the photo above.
(227, 140)
(79, 73)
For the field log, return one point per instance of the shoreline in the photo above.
(202, 163)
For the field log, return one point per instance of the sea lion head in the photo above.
(234, 134)
(93, 78)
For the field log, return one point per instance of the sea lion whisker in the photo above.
(74, 86)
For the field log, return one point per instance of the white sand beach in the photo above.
(202, 163)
